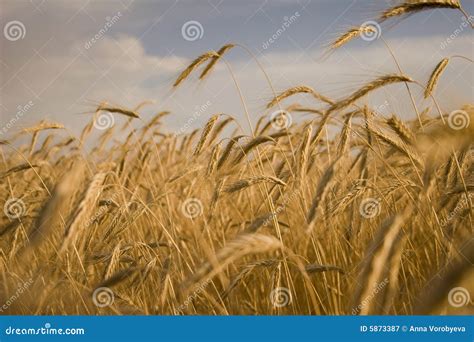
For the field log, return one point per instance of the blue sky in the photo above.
(143, 51)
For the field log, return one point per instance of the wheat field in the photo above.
(348, 212)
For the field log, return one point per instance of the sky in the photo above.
(60, 59)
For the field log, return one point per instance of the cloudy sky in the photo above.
(64, 57)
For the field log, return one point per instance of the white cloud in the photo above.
(65, 82)
(73, 80)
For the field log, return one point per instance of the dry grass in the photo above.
(211, 223)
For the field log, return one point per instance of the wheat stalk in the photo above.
(234, 250)
(245, 272)
(321, 193)
(377, 256)
(349, 35)
(194, 64)
(371, 86)
(215, 59)
(84, 209)
(214, 159)
(43, 126)
(298, 90)
(435, 75)
(205, 134)
(119, 110)
(402, 130)
(416, 6)
(245, 183)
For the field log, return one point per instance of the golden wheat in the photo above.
(352, 212)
